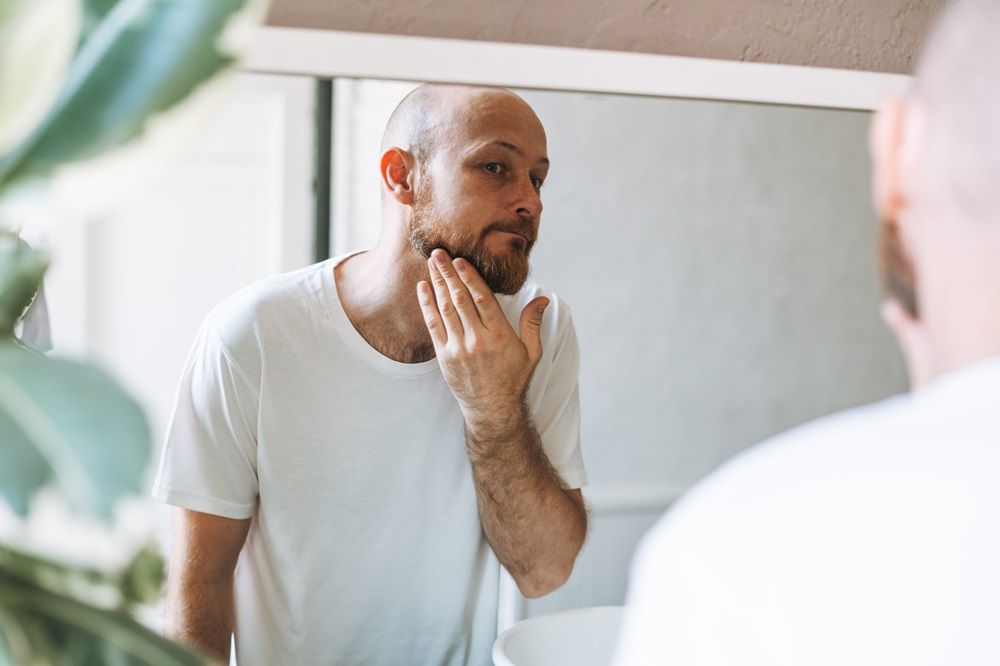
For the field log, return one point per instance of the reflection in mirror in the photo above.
(720, 261)
(719, 258)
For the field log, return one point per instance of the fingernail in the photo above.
(459, 265)
(439, 256)
(541, 308)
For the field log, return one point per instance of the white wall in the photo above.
(237, 209)
(719, 259)
(129, 291)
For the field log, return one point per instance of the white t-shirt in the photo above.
(365, 545)
(867, 538)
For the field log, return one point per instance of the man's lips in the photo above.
(526, 233)
(516, 234)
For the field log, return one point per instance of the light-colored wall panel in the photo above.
(720, 262)
(238, 208)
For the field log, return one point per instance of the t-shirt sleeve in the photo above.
(208, 462)
(555, 396)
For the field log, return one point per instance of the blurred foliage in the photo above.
(137, 59)
(66, 424)
(21, 272)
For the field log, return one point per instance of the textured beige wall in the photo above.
(876, 35)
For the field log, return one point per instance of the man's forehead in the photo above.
(493, 118)
(529, 151)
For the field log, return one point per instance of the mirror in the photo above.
(709, 224)
(719, 258)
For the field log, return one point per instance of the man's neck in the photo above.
(962, 291)
(378, 290)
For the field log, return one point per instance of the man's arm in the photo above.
(200, 580)
(535, 525)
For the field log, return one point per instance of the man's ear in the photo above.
(397, 174)
(885, 141)
(896, 139)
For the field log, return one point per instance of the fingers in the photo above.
(448, 302)
(432, 318)
(466, 290)
(531, 327)
(458, 301)
(488, 309)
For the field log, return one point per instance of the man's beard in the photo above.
(504, 274)
(896, 268)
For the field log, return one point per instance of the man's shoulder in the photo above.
(802, 462)
(952, 417)
(856, 431)
(280, 293)
(279, 301)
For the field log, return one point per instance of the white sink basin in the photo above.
(579, 637)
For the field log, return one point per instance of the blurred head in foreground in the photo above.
(937, 189)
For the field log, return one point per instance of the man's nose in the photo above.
(529, 200)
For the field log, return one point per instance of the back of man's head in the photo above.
(958, 84)
(937, 169)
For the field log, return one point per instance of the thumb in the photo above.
(531, 327)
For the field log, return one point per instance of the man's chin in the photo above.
(504, 272)
(502, 277)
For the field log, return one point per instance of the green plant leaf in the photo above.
(141, 58)
(70, 423)
(94, 12)
(21, 271)
(51, 628)
(141, 582)
(37, 44)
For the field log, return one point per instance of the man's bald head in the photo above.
(430, 112)
(958, 85)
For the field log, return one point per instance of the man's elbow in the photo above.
(540, 581)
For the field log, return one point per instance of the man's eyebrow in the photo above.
(516, 150)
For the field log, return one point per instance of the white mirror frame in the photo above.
(329, 53)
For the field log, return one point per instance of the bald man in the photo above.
(870, 537)
(365, 441)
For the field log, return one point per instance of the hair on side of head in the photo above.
(409, 124)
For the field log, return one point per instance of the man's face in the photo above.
(478, 194)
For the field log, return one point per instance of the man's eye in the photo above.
(537, 182)
(493, 167)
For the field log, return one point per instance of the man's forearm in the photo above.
(202, 616)
(535, 526)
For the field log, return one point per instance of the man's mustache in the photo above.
(521, 226)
